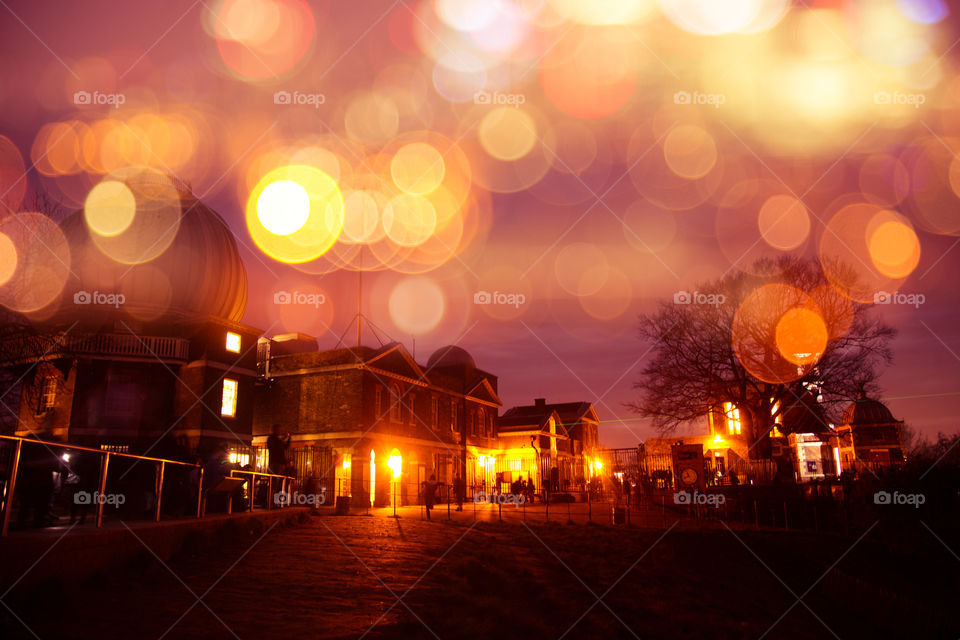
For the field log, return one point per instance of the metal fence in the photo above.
(45, 479)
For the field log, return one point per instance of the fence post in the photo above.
(160, 471)
(200, 495)
(11, 486)
(101, 487)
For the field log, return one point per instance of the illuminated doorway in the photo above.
(373, 475)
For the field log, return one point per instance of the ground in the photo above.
(378, 577)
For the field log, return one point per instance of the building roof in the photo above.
(568, 414)
(199, 275)
(450, 356)
(866, 410)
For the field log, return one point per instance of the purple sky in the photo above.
(161, 58)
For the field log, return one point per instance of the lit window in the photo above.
(379, 402)
(228, 401)
(233, 342)
(435, 413)
(733, 418)
(514, 465)
(240, 457)
(48, 394)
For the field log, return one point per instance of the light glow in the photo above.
(228, 399)
(395, 464)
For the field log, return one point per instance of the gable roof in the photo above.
(483, 390)
(568, 414)
(395, 353)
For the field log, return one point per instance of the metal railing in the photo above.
(56, 452)
(286, 482)
(126, 344)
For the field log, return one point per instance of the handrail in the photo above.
(261, 473)
(283, 486)
(101, 482)
(75, 447)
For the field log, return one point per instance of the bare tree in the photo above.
(715, 350)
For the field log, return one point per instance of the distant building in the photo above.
(801, 445)
(869, 436)
(551, 443)
(169, 361)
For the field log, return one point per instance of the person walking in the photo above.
(460, 489)
(429, 493)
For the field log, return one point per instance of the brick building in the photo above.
(869, 436)
(349, 410)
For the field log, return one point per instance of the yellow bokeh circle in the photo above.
(297, 242)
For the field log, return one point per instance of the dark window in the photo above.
(395, 414)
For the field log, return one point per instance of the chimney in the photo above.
(540, 403)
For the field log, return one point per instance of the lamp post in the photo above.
(395, 463)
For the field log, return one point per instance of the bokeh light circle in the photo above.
(283, 207)
(801, 336)
(417, 305)
(39, 272)
(323, 225)
(110, 208)
(784, 222)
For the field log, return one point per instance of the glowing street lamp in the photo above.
(395, 464)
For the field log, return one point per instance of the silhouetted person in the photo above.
(277, 446)
(86, 468)
(460, 488)
(429, 493)
(530, 490)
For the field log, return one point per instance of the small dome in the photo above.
(450, 356)
(867, 411)
(200, 273)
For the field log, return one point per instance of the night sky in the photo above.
(597, 158)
